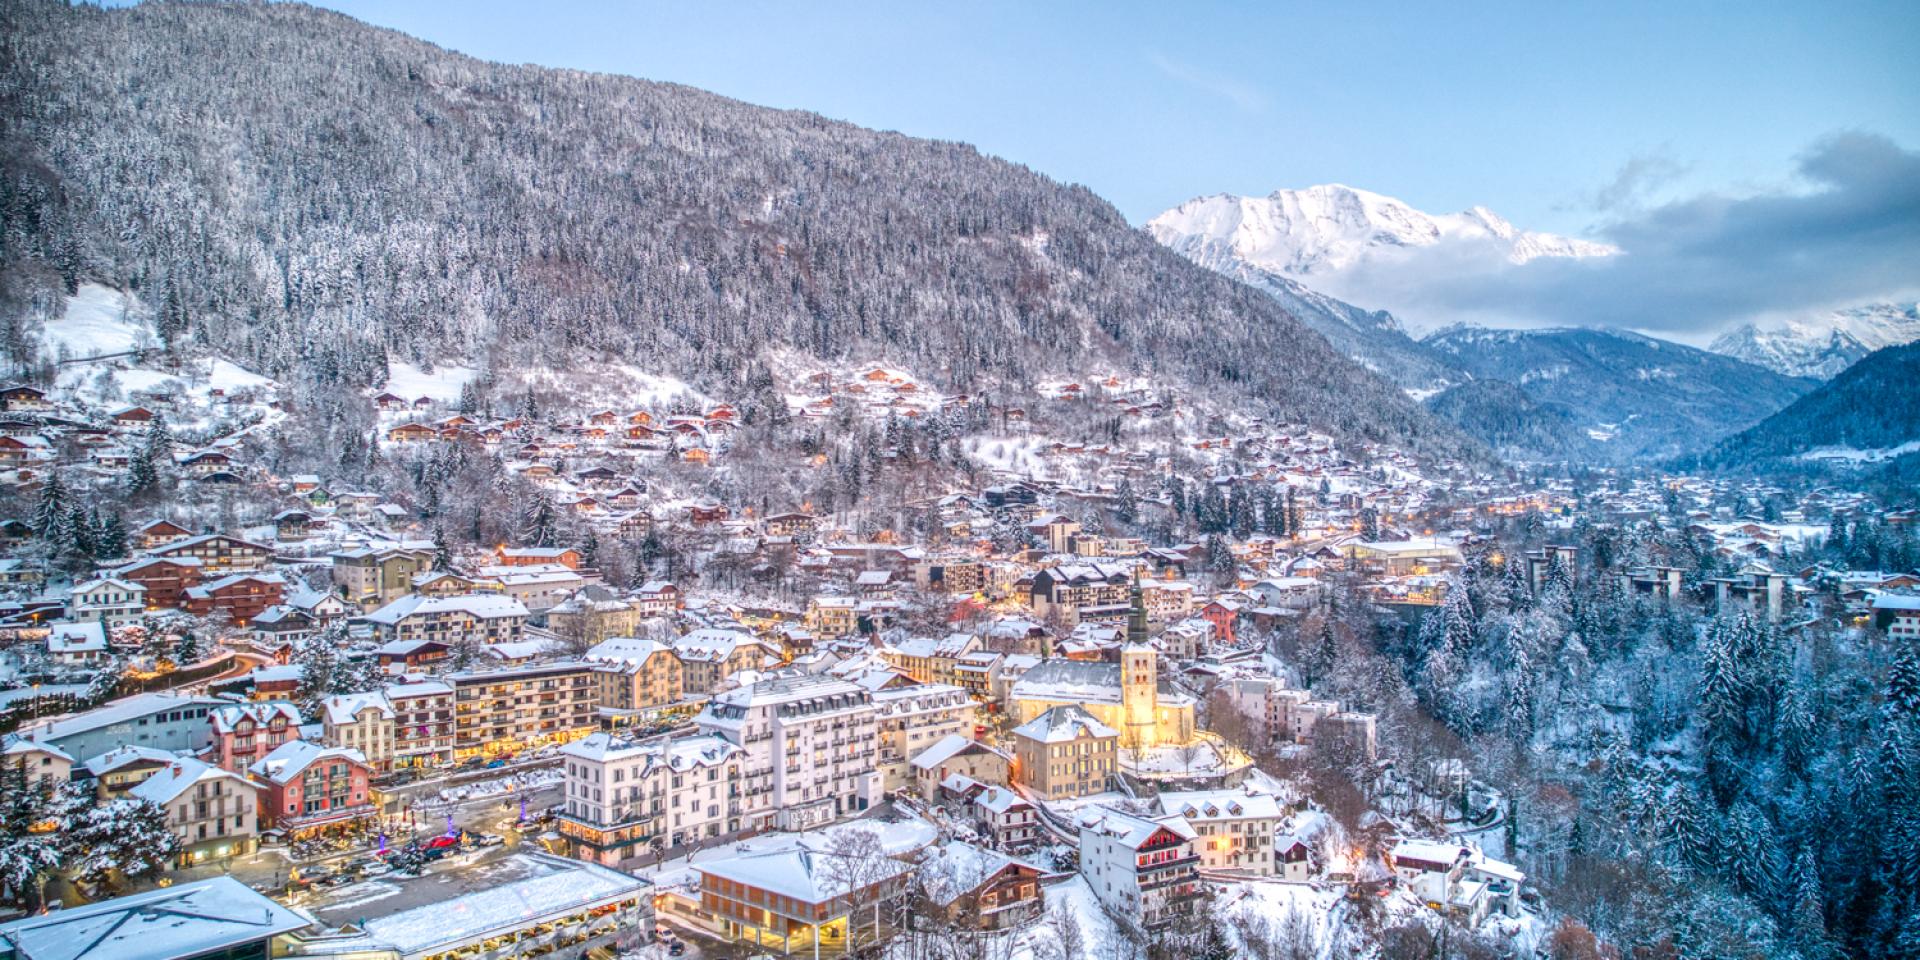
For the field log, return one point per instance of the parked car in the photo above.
(489, 839)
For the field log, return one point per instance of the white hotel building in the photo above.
(811, 746)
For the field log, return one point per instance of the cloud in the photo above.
(1242, 95)
(1640, 176)
(1845, 230)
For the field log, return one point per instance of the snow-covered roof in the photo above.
(570, 887)
(127, 755)
(67, 638)
(185, 920)
(170, 781)
(679, 753)
(482, 605)
(346, 708)
(944, 749)
(1064, 723)
(124, 710)
(290, 759)
(625, 650)
(951, 870)
(1130, 831)
(225, 718)
(1209, 805)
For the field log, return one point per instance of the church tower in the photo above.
(1139, 674)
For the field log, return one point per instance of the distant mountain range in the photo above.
(1822, 346)
(1579, 394)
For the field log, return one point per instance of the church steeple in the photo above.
(1137, 616)
(1139, 680)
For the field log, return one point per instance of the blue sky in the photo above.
(1556, 115)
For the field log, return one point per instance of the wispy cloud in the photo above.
(1242, 95)
(1637, 179)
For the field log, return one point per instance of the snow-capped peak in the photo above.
(1331, 227)
(1825, 344)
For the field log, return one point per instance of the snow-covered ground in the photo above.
(1857, 455)
(1021, 456)
(441, 385)
(99, 320)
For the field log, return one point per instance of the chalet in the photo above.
(637, 523)
(279, 626)
(975, 885)
(707, 511)
(411, 433)
(412, 654)
(75, 643)
(16, 450)
(657, 597)
(14, 532)
(20, 398)
(241, 596)
(166, 580)
(599, 476)
(128, 417)
(218, 553)
(207, 462)
(798, 526)
(388, 401)
(293, 525)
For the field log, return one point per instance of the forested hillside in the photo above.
(1642, 397)
(313, 196)
(1869, 412)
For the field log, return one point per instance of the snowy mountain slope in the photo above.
(1274, 242)
(1647, 397)
(370, 199)
(1374, 338)
(1822, 346)
(1332, 227)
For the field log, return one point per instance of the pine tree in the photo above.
(142, 475)
(1807, 921)
(1902, 703)
(128, 837)
(540, 524)
(1321, 656)
(442, 552)
(1126, 504)
(50, 516)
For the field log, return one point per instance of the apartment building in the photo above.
(811, 749)
(1233, 829)
(212, 811)
(423, 723)
(1140, 868)
(488, 618)
(501, 712)
(625, 797)
(910, 717)
(371, 576)
(1065, 752)
(636, 675)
